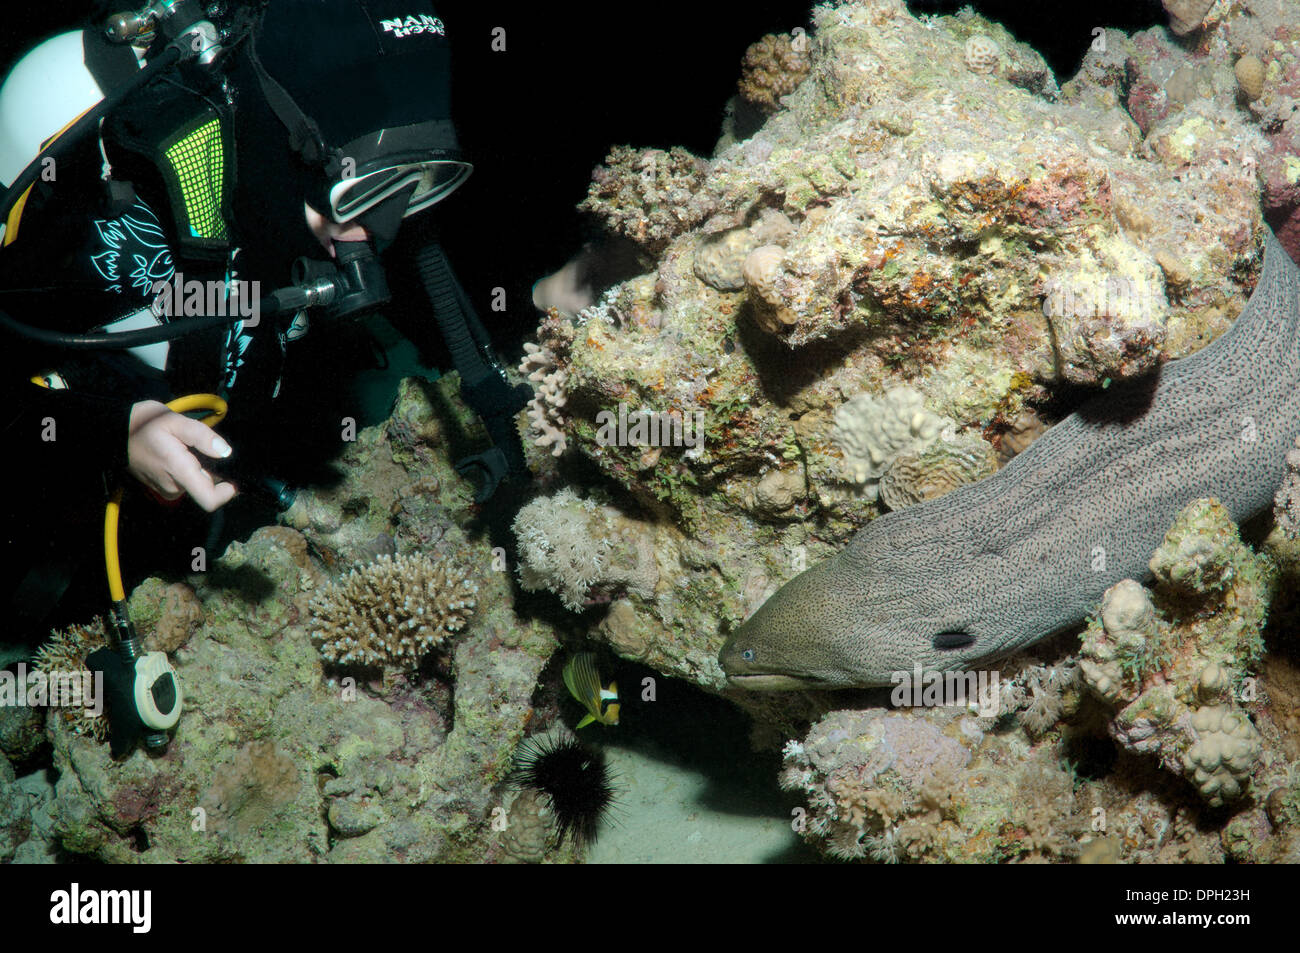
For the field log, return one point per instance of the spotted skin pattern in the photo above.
(995, 566)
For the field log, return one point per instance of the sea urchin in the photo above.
(574, 778)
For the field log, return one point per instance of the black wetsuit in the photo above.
(83, 256)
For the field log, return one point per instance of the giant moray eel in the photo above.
(997, 565)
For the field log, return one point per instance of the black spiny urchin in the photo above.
(574, 778)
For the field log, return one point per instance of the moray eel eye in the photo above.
(953, 640)
(747, 655)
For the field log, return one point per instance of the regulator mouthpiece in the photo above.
(354, 285)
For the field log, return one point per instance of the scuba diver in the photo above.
(187, 197)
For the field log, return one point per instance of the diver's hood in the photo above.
(364, 89)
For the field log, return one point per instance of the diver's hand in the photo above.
(158, 455)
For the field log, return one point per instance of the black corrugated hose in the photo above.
(482, 382)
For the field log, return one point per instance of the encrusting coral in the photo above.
(649, 196)
(1172, 671)
(393, 611)
(772, 68)
(721, 262)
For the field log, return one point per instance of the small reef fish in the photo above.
(583, 681)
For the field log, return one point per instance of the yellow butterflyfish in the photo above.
(583, 681)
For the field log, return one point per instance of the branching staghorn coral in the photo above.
(393, 611)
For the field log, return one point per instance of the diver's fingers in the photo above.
(200, 436)
(199, 484)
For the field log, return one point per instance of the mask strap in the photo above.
(304, 135)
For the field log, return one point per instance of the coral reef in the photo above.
(274, 760)
(66, 651)
(956, 228)
(880, 293)
(546, 410)
(772, 68)
(393, 611)
(930, 785)
(1174, 671)
(649, 196)
(1202, 768)
(977, 238)
(582, 551)
(1246, 59)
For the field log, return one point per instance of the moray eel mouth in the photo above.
(772, 683)
(782, 646)
(787, 645)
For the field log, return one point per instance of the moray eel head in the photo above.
(789, 644)
(841, 624)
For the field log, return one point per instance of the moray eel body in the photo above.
(994, 566)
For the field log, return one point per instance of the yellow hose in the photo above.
(112, 560)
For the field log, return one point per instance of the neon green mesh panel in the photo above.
(198, 162)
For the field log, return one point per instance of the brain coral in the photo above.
(1224, 755)
(1250, 76)
(772, 68)
(981, 54)
(936, 470)
(872, 431)
(393, 611)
